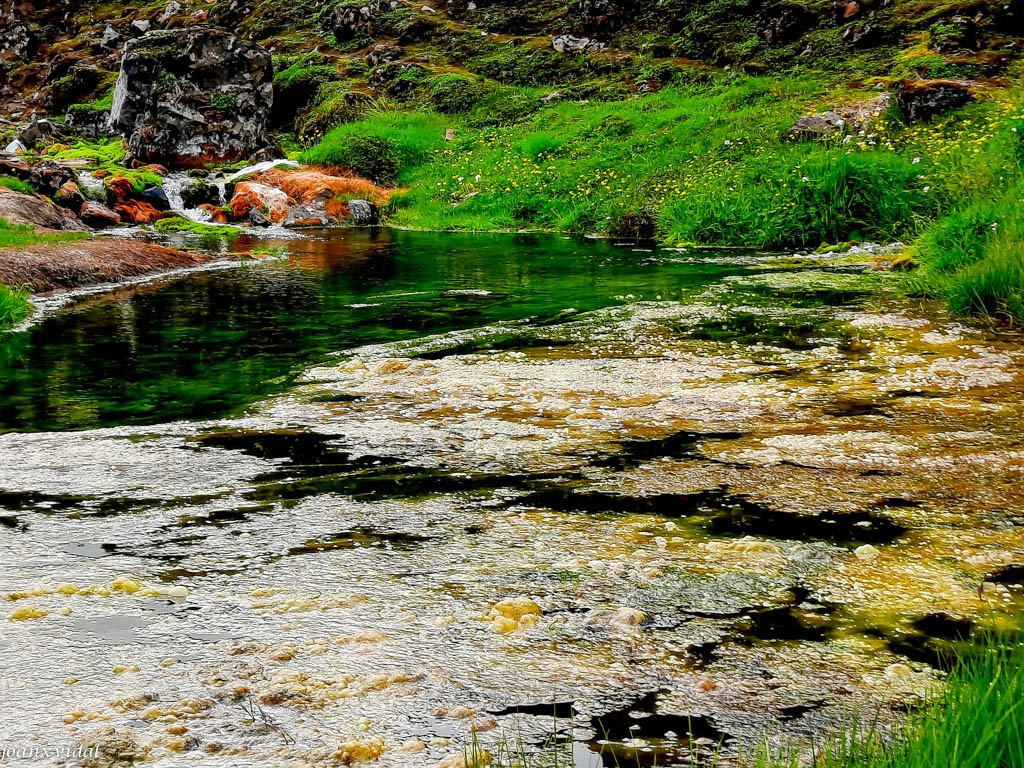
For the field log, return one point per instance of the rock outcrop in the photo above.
(186, 97)
(19, 208)
(924, 99)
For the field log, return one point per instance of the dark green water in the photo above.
(207, 344)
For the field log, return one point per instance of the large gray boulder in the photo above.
(187, 97)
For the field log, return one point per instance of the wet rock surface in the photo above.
(616, 519)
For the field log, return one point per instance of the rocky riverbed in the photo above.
(658, 529)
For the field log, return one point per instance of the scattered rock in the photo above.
(186, 97)
(866, 552)
(69, 196)
(571, 44)
(15, 148)
(110, 748)
(349, 752)
(784, 24)
(217, 214)
(603, 14)
(350, 21)
(820, 126)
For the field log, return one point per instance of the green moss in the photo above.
(103, 152)
(180, 224)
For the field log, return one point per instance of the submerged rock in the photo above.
(186, 97)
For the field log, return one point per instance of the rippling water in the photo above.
(389, 497)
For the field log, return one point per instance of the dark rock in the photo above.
(156, 197)
(98, 216)
(602, 15)
(87, 123)
(956, 33)
(866, 35)
(196, 192)
(186, 97)
(924, 99)
(70, 196)
(257, 219)
(383, 53)
(48, 177)
(784, 24)
(351, 19)
(819, 126)
(363, 213)
(42, 132)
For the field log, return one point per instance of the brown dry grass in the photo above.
(305, 185)
(70, 265)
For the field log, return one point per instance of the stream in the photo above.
(392, 496)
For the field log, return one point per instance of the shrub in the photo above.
(451, 94)
(371, 157)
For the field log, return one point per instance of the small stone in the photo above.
(706, 685)
(168, 662)
(413, 745)
(178, 592)
(504, 625)
(866, 552)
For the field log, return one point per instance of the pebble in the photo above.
(866, 552)
(475, 759)
(413, 745)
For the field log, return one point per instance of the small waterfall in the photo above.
(174, 183)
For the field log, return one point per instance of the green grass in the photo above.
(707, 163)
(17, 185)
(14, 306)
(974, 258)
(976, 722)
(18, 235)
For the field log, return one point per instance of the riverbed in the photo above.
(394, 496)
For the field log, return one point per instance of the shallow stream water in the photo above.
(394, 496)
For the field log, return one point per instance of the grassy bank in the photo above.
(14, 302)
(977, 722)
(707, 163)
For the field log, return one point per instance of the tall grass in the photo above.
(14, 306)
(977, 721)
(974, 258)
